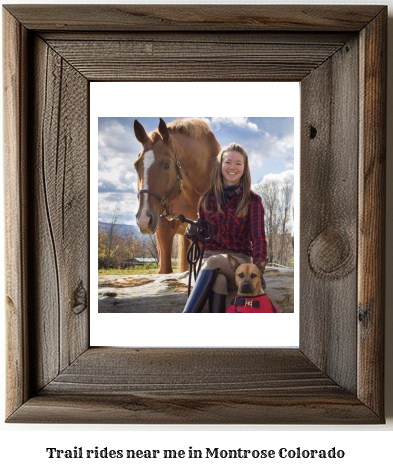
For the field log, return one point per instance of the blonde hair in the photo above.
(216, 184)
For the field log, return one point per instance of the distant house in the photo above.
(136, 262)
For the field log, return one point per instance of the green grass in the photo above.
(118, 271)
(149, 269)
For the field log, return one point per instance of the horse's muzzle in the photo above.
(147, 222)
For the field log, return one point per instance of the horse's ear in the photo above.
(163, 129)
(140, 133)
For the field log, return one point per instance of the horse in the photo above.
(173, 169)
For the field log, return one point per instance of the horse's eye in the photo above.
(167, 166)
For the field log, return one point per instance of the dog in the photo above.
(251, 298)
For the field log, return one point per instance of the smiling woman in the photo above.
(232, 167)
(236, 215)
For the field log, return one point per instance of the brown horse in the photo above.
(174, 169)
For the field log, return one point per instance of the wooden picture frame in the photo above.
(338, 54)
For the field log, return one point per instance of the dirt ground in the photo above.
(168, 293)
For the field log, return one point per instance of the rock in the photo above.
(168, 293)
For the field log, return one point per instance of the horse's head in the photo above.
(159, 175)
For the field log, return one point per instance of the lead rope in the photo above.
(203, 234)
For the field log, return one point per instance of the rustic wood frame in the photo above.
(338, 54)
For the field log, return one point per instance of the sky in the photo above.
(269, 142)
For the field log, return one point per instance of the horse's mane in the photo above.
(192, 127)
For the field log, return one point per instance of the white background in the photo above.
(367, 448)
(208, 99)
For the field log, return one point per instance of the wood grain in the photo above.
(60, 223)
(328, 248)
(159, 59)
(336, 375)
(372, 196)
(193, 17)
(119, 409)
(200, 37)
(15, 40)
(200, 386)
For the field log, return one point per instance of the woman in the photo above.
(237, 215)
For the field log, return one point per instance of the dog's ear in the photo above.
(233, 262)
(261, 264)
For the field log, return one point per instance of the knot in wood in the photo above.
(330, 255)
(313, 132)
(363, 315)
(80, 299)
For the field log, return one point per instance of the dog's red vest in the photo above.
(252, 304)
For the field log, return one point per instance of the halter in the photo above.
(164, 199)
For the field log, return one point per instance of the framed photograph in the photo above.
(132, 294)
(52, 56)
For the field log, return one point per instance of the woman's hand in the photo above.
(191, 230)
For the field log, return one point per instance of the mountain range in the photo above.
(120, 229)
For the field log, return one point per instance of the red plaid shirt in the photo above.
(244, 235)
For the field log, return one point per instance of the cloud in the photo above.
(241, 122)
(116, 178)
(255, 159)
(117, 150)
(114, 137)
(125, 203)
(272, 147)
(287, 175)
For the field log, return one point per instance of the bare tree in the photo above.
(102, 244)
(150, 247)
(111, 232)
(276, 199)
(269, 192)
(285, 219)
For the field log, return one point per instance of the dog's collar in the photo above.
(247, 301)
(250, 297)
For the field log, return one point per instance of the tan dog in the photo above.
(248, 276)
(251, 297)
